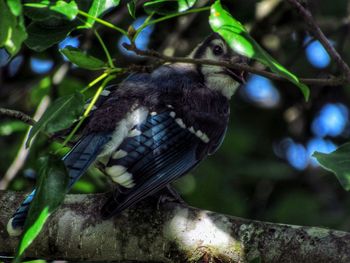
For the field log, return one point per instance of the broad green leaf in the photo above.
(97, 8)
(81, 59)
(15, 7)
(12, 30)
(131, 8)
(68, 9)
(165, 7)
(51, 190)
(337, 162)
(40, 14)
(42, 35)
(240, 41)
(60, 115)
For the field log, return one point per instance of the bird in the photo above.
(154, 127)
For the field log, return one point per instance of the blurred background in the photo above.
(264, 169)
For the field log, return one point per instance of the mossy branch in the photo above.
(171, 233)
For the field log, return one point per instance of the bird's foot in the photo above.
(169, 194)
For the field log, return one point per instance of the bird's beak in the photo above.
(238, 75)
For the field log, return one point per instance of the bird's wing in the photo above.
(157, 151)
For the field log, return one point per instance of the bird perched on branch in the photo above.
(154, 127)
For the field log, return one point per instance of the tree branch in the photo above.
(332, 81)
(172, 233)
(17, 115)
(317, 32)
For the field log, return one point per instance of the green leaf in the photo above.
(68, 9)
(186, 4)
(40, 14)
(241, 42)
(337, 162)
(60, 115)
(81, 59)
(165, 7)
(15, 7)
(42, 35)
(51, 190)
(12, 30)
(131, 8)
(97, 8)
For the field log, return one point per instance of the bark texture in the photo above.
(170, 233)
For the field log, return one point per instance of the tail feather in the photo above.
(77, 161)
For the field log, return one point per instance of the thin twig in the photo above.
(317, 32)
(332, 81)
(14, 114)
(105, 49)
(23, 152)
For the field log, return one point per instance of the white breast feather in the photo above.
(223, 83)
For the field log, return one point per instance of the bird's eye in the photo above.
(217, 50)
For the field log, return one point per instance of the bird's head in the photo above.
(226, 80)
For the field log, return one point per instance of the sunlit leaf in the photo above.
(337, 162)
(165, 7)
(12, 30)
(51, 190)
(186, 4)
(60, 115)
(97, 8)
(68, 9)
(240, 41)
(81, 59)
(15, 7)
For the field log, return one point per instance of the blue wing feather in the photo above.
(77, 161)
(162, 152)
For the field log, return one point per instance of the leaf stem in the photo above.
(87, 111)
(108, 55)
(95, 81)
(103, 22)
(149, 22)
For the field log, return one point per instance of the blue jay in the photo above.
(154, 127)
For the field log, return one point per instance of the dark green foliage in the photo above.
(60, 115)
(337, 162)
(81, 59)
